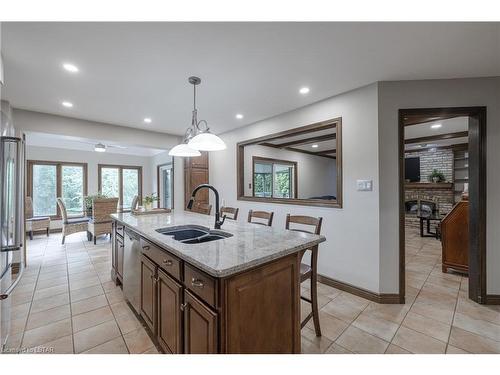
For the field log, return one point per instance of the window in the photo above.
(123, 182)
(274, 178)
(48, 180)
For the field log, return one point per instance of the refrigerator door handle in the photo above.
(12, 286)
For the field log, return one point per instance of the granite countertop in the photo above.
(250, 245)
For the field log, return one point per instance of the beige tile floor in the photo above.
(436, 318)
(67, 303)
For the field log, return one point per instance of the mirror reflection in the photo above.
(300, 166)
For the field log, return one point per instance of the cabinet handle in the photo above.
(167, 262)
(197, 283)
(183, 306)
(145, 247)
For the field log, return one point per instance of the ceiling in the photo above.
(454, 127)
(86, 144)
(129, 71)
(314, 142)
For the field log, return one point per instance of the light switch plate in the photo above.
(364, 185)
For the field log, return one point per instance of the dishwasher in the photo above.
(132, 269)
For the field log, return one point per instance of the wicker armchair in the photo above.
(34, 224)
(100, 223)
(71, 225)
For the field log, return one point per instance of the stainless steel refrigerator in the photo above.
(12, 249)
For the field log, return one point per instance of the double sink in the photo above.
(193, 234)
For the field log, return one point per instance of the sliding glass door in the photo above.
(48, 180)
(123, 182)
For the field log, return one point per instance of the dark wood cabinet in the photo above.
(196, 173)
(200, 327)
(169, 324)
(455, 238)
(119, 248)
(148, 292)
(189, 311)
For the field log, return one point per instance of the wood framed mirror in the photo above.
(300, 166)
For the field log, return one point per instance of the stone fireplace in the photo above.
(426, 197)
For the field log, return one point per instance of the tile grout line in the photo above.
(453, 317)
(419, 291)
(32, 296)
(70, 304)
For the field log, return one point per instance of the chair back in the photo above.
(232, 211)
(135, 202)
(62, 208)
(266, 217)
(102, 208)
(201, 208)
(314, 222)
(28, 208)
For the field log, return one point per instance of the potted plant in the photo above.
(88, 202)
(148, 201)
(436, 176)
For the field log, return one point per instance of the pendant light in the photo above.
(183, 149)
(197, 137)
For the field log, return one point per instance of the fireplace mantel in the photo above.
(428, 185)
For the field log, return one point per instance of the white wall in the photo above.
(316, 174)
(93, 159)
(433, 94)
(351, 252)
(53, 124)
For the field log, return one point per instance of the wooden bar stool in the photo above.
(306, 271)
(202, 208)
(232, 211)
(261, 215)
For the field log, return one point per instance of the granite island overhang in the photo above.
(239, 294)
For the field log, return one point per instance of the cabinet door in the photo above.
(199, 161)
(200, 327)
(198, 177)
(148, 292)
(119, 248)
(169, 322)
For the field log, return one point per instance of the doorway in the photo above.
(165, 182)
(476, 149)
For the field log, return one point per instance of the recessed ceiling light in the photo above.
(70, 67)
(100, 148)
(67, 104)
(436, 126)
(239, 116)
(304, 90)
(314, 146)
(147, 120)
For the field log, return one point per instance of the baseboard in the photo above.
(384, 298)
(493, 299)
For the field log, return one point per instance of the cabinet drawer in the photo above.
(200, 284)
(119, 229)
(166, 261)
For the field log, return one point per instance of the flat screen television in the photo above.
(412, 169)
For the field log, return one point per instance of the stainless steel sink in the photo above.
(193, 234)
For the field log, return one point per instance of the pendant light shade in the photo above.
(197, 137)
(184, 150)
(207, 142)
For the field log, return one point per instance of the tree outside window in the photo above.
(273, 178)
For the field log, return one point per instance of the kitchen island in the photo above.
(239, 292)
